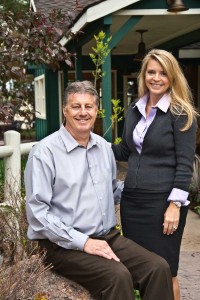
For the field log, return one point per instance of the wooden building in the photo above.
(168, 24)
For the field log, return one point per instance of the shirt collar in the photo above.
(71, 143)
(94, 140)
(163, 104)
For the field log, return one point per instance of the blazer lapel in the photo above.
(155, 124)
(132, 121)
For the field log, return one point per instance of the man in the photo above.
(71, 184)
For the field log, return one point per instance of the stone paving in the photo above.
(189, 265)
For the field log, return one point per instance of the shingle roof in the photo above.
(78, 6)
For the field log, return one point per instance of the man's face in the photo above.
(80, 113)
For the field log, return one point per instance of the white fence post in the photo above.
(11, 152)
(12, 165)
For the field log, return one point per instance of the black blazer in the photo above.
(167, 156)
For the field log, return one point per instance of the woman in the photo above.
(159, 144)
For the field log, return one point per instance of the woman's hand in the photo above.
(171, 219)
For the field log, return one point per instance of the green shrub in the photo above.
(137, 295)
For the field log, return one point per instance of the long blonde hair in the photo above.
(181, 102)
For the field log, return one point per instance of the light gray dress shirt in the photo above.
(71, 190)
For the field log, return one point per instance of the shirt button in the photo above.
(100, 198)
(104, 214)
(95, 182)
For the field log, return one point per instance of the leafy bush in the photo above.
(137, 295)
(22, 268)
(194, 194)
(22, 280)
(14, 244)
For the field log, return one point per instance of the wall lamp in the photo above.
(176, 6)
(141, 46)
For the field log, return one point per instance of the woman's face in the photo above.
(156, 79)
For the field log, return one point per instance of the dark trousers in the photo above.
(110, 280)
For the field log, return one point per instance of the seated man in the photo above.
(71, 184)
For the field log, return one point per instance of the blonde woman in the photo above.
(159, 144)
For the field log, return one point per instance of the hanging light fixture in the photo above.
(176, 6)
(141, 46)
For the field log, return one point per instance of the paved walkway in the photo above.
(189, 265)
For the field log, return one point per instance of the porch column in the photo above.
(106, 86)
(78, 64)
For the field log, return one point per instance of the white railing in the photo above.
(11, 152)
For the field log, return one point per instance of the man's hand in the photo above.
(100, 248)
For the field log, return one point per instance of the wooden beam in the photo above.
(132, 21)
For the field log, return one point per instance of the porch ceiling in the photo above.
(162, 26)
(161, 29)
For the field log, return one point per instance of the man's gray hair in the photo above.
(81, 87)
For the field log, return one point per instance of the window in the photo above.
(40, 97)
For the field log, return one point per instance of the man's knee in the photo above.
(123, 273)
(159, 265)
(120, 275)
(116, 284)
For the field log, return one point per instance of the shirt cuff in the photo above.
(179, 195)
(78, 240)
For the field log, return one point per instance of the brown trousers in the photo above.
(110, 280)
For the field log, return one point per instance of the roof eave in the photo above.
(96, 12)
